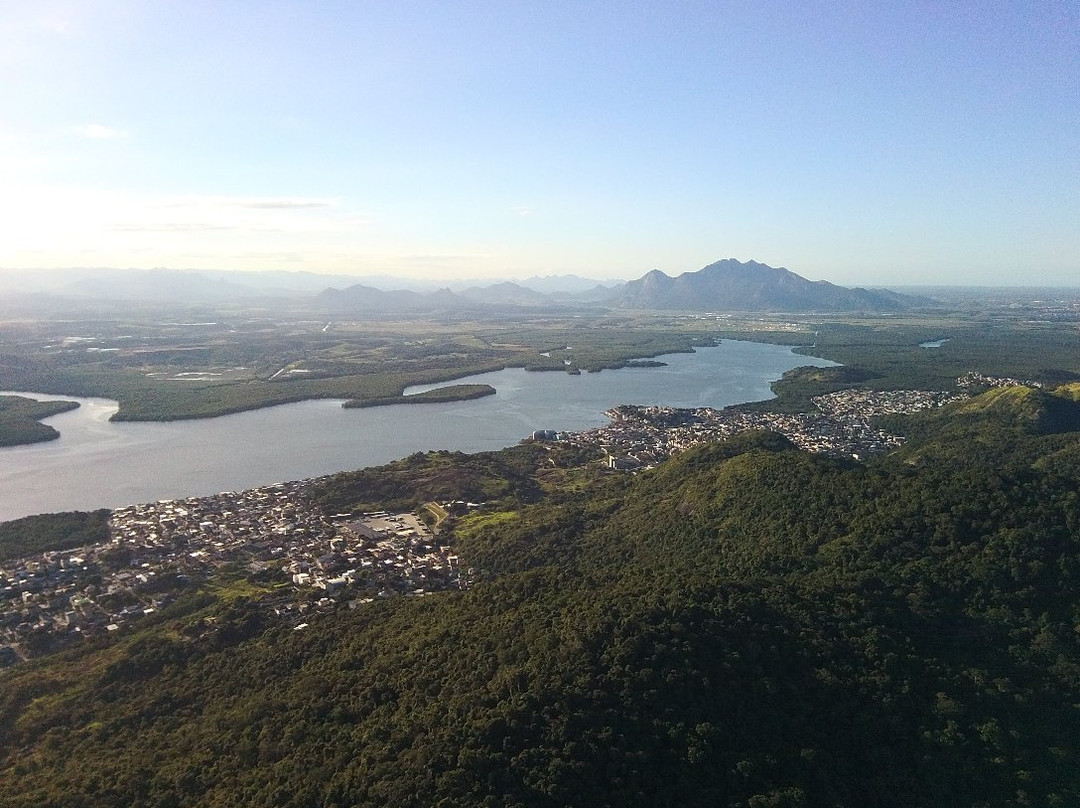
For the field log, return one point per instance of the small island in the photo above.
(440, 395)
(20, 419)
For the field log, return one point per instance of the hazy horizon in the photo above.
(865, 145)
(58, 279)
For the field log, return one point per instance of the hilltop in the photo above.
(731, 285)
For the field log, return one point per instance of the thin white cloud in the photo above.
(275, 258)
(99, 131)
(252, 202)
(183, 227)
(68, 224)
(436, 258)
(286, 204)
(56, 23)
(254, 214)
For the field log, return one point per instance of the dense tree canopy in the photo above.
(746, 625)
(20, 419)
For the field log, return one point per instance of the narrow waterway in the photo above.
(98, 463)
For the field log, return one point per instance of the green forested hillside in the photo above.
(20, 419)
(747, 625)
(52, 531)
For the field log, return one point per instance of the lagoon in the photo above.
(97, 463)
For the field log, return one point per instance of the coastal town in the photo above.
(297, 559)
(276, 544)
(640, 437)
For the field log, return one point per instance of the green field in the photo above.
(230, 363)
(197, 364)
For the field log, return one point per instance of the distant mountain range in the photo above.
(202, 286)
(727, 285)
(360, 298)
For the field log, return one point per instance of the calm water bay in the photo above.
(97, 463)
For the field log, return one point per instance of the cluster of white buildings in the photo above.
(640, 437)
(296, 556)
(973, 379)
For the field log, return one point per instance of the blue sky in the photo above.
(869, 143)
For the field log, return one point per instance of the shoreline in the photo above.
(103, 463)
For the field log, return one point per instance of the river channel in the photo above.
(97, 463)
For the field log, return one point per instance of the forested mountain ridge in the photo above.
(747, 625)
